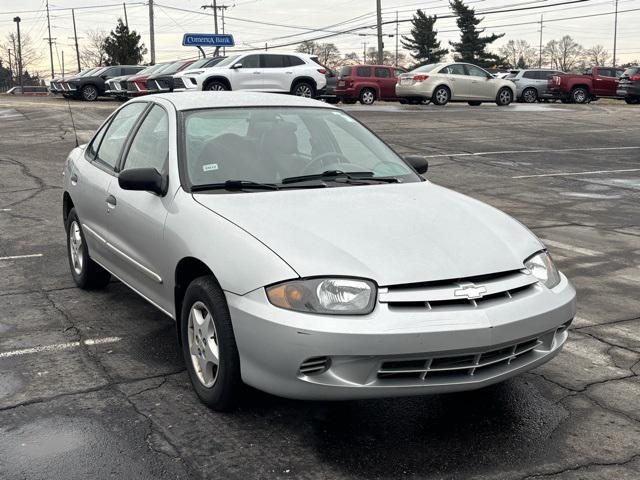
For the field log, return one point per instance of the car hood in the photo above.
(392, 234)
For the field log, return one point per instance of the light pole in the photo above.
(17, 20)
(615, 35)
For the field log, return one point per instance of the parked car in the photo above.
(90, 87)
(629, 86)
(594, 83)
(367, 83)
(163, 80)
(298, 253)
(442, 83)
(195, 68)
(296, 73)
(532, 84)
(329, 93)
(63, 85)
(116, 87)
(136, 85)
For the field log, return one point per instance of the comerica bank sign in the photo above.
(207, 40)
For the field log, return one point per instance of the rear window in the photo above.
(629, 72)
(426, 68)
(363, 71)
(345, 72)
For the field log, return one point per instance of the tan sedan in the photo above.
(442, 83)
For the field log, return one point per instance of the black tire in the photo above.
(89, 93)
(530, 95)
(216, 86)
(403, 101)
(504, 97)
(86, 273)
(441, 96)
(632, 100)
(367, 96)
(332, 100)
(223, 395)
(475, 104)
(303, 89)
(579, 95)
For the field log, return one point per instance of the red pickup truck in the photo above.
(596, 82)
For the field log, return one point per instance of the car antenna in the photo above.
(75, 133)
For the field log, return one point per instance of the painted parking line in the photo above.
(571, 248)
(59, 347)
(545, 150)
(5, 209)
(568, 174)
(18, 257)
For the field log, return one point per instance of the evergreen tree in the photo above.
(472, 46)
(123, 46)
(521, 63)
(422, 42)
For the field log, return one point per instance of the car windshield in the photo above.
(427, 68)
(172, 67)
(270, 144)
(227, 61)
(199, 63)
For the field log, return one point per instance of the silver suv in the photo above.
(531, 84)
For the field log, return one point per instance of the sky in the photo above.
(276, 22)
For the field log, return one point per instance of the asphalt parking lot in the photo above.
(92, 384)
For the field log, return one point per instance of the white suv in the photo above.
(295, 73)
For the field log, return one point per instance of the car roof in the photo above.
(197, 100)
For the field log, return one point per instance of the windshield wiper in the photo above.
(335, 174)
(235, 186)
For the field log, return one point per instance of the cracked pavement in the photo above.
(126, 409)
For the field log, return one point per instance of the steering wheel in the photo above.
(321, 157)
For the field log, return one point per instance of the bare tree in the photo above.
(351, 58)
(30, 56)
(569, 52)
(92, 53)
(328, 54)
(597, 55)
(516, 52)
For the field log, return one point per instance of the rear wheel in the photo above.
(303, 89)
(579, 95)
(367, 96)
(475, 104)
(209, 345)
(504, 97)
(530, 95)
(86, 273)
(441, 96)
(216, 86)
(89, 93)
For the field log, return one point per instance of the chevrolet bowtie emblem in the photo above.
(470, 292)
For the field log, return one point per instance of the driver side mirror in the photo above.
(143, 179)
(418, 162)
(237, 65)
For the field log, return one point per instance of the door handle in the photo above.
(256, 73)
(289, 73)
(74, 179)
(111, 201)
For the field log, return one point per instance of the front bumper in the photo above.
(391, 353)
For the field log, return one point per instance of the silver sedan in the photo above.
(298, 253)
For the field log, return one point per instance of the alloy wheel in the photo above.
(442, 96)
(216, 87)
(579, 96)
(504, 97)
(303, 90)
(530, 95)
(203, 344)
(89, 93)
(75, 248)
(367, 97)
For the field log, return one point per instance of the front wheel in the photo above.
(530, 95)
(580, 95)
(367, 96)
(441, 96)
(209, 345)
(89, 93)
(86, 273)
(216, 86)
(303, 89)
(504, 97)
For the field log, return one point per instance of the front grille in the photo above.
(178, 83)
(470, 292)
(454, 367)
(132, 87)
(315, 366)
(123, 85)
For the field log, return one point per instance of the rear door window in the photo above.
(363, 71)
(294, 61)
(273, 61)
(455, 69)
(381, 72)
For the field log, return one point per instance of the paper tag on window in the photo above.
(210, 167)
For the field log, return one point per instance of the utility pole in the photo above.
(152, 35)
(215, 7)
(17, 20)
(75, 37)
(615, 35)
(126, 20)
(380, 43)
(396, 63)
(364, 52)
(50, 41)
(63, 63)
(541, 25)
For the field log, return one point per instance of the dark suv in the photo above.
(92, 86)
(629, 86)
(367, 83)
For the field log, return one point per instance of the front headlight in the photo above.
(337, 296)
(542, 267)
